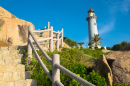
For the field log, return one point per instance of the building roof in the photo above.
(91, 10)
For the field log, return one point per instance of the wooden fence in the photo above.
(55, 61)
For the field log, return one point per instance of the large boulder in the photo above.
(12, 29)
(104, 69)
(119, 62)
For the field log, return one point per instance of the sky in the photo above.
(112, 17)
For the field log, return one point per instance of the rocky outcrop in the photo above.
(119, 62)
(12, 29)
(104, 69)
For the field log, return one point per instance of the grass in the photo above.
(76, 60)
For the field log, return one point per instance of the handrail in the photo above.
(55, 32)
(60, 38)
(40, 61)
(42, 39)
(43, 52)
(56, 39)
(60, 32)
(55, 62)
(59, 83)
(74, 76)
(41, 30)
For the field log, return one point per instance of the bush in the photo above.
(72, 59)
(94, 53)
(96, 48)
(96, 79)
(70, 42)
(119, 46)
(102, 48)
(123, 43)
(108, 48)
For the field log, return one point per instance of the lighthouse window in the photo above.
(94, 23)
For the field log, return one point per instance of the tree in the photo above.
(96, 39)
(119, 46)
(70, 42)
(108, 48)
(123, 43)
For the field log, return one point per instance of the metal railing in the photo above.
(55, 62)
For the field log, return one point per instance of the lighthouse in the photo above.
(92, 25)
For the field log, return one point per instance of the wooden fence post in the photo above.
(57, 41)
(51, 40)
(55, 71)
(30, 28)
(62, 37)
(48, 25)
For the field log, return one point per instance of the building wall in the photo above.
(92, 27)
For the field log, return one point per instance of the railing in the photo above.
(55, 62)
(50, 38)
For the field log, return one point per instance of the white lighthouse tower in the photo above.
(92, 25)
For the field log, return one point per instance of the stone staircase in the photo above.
(12, 73)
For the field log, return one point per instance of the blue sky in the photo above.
(112, 17)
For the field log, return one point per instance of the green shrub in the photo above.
(70, 42)
(96, 48)
(119, 46)
(102, 48)
(72, 59)
(94, 53)
(108, 48)
(123, 43)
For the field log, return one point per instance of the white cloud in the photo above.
(125, 6)
(119, 6)
(108, 27)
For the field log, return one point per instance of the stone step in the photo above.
(31, 82)
(10, 61)
(12, 76)
(11, 56)
(12, 68)
(4, 48)
(27, 82)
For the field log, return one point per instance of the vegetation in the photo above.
(108, 48)
(119, 46)
(90, 43)
(96, 39)
(70, 42)
(73, 59)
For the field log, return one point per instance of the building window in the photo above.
(94, 23)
